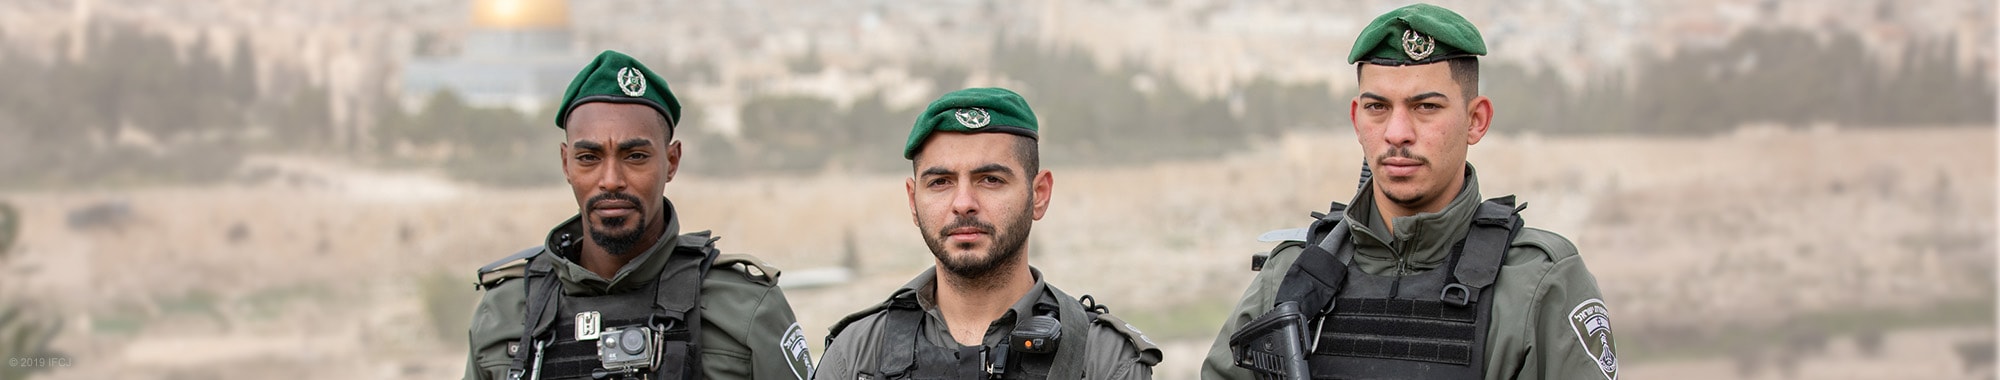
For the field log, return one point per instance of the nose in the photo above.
(964, 201)
(613, 178)
(1400, 130)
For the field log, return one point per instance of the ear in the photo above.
(1353, 106)
(1045, 186)
(673, 159)
(562, 153)
(1482, 117)
(910, 190)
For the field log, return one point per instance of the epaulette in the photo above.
(1285, 238)
(1149, 352)
(511, 267)
(757, 270)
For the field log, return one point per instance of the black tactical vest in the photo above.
(667, 309)
(1430, 325)
(905, 354)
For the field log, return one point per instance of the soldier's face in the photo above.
(1415, 126)
(974, 202)
(618, 159)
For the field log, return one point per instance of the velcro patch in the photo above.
(1592, 323)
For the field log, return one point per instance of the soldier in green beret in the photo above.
(981, 311)
(618, 291)
(1419, 278)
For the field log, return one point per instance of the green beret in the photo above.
(1416, 34)
(973, 110)
(617, 78)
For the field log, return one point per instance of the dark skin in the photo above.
(624, 149)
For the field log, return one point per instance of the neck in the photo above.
(969, 305)
(1390, 210)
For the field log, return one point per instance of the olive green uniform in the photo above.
(747, 332)
(1542, 297)
(1115, 349)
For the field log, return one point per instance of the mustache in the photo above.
(1400, 152)
(606, 197)
(964, 222)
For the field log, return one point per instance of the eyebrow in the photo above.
(1413, 99)
(1427, 96)
(988, 168)
(626, 145)
(994, 168)
(634, 144)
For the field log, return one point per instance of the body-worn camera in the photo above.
(1035, 335)
(629, 348)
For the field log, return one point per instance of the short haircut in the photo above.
(1464, 70)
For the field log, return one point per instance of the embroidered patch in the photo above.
(797, 351)
(1592, 323)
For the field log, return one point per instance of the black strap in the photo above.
(541, 298)
(904, 319)
(1475, 264)
(1316, 275)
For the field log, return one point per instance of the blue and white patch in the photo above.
(797, 351)
(1592, 323)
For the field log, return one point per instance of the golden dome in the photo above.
(520, 14)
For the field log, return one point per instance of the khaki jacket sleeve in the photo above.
(1572, 330)
(1256, 301)
(1112, 356)
(495, 323)
(749, 331)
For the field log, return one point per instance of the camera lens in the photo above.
(634, 341)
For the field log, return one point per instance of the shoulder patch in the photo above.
(748, 265)
(797, 352)
(1592, 323)
(1149, 352)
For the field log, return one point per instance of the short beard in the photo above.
(975, 271)
(617, 243)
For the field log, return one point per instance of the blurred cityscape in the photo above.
(213, 189)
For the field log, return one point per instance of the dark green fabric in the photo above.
(1438, 34)
(973, 110)
(618, 78)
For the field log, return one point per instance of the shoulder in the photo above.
(739, 267)
(858, 324)
(507, 268)
(1123, 339)
(1541, 245)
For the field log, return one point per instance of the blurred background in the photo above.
(245, 189)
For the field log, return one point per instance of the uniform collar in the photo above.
(565, 240)
(1423, 241)
(925, 289)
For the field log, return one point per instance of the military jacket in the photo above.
(1549, 320)
(1115, 350)
(748, 330)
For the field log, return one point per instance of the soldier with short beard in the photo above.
(618, 291)
(981, 312)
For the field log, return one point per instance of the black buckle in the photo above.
(1458, 295)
